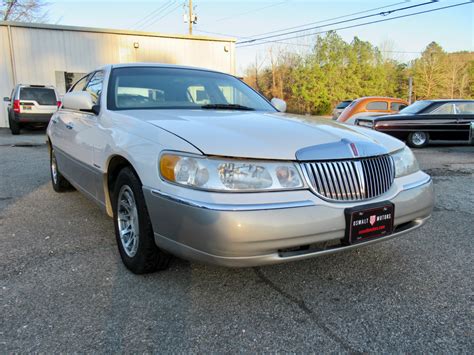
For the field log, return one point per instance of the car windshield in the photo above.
(176, 88)
(415, 107)
(43, 96)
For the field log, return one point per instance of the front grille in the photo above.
(351, 180)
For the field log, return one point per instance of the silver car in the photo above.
(194, 163)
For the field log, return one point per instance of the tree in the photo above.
(23, 10)
(430, 74)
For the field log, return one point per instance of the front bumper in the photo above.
(251, 235)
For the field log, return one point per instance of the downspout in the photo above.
(12, 54)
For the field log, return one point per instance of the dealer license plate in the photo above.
(369, 222)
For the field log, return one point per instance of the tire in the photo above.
(137, 247)
(14, 126)
(59, 182)
(418, 139)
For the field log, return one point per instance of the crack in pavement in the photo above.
(303, 307)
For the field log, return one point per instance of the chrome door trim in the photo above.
(416, 184)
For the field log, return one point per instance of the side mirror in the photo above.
(279, 104)
(79, 100)
(6, 99)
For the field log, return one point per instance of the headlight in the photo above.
(405, 162)
(228, 174)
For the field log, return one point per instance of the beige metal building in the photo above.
(58, 55)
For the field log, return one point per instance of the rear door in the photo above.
(62, 134)
(465, 118)
(39, 101)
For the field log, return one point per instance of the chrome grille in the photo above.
(350, 180)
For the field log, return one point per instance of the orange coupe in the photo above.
(371, 106)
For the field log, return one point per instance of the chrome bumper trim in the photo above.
(229, 207)
(418, 183)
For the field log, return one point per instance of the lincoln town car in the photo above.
(194, 163)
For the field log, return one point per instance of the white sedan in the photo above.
(195, 163)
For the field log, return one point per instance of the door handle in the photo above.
(69, 126)
(54, 120)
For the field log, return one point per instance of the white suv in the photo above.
(31, 104)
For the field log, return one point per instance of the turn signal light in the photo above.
(167, 165)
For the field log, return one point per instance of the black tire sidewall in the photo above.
(14, 126)
(148, 256)
(61, 183)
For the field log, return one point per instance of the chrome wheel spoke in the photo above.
(127, 220)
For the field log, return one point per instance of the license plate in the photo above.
(369, 222)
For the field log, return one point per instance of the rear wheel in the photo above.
(133, 229)
(14, 126)
(59, 182)
(418, 139)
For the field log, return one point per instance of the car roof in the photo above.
(380, 98)
(448, 100)
(36, 86)
(160, 65)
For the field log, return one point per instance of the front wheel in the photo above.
(418, 139)
(59, 182)
(133, 229)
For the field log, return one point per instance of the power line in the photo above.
(329, 19)
(146, 18)
(307, 24)
(166, 14)
(157, 16)
(250, 11)
(360, 24)
(299, 26)
(384, 13)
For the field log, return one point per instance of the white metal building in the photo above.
(43, 54)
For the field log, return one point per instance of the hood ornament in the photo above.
(355, 152)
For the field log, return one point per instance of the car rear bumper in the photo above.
(269, 234)
(33, 117)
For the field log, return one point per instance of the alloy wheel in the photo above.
(127, 221)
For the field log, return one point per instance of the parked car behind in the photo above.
(427, 120)
(339, 108)
(31, 105)
(195, 163)
(371, 106)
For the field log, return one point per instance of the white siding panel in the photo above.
(6, 75)
(40, 52)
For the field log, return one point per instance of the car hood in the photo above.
(251, 134)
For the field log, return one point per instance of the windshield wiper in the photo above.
(227, 107)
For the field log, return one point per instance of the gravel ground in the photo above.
(63, 287)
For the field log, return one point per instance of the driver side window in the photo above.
(446, 109)
(80, 84)
(94, 87)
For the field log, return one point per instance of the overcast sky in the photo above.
(401, 38)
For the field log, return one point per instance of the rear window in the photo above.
(465, 108)
(42, 96)
(377, 105)
(343, 104)
(397, 106)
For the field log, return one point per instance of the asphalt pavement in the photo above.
(63, 287)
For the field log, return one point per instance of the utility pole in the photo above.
(191, 20)
(410, 88)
